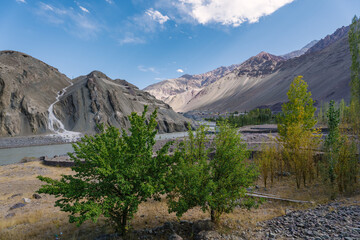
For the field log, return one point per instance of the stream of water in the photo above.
(56, 125)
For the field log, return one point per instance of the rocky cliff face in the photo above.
(95, 99)
(27, 88)
(177, 92)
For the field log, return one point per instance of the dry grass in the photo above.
(41, 220)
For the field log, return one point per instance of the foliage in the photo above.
(354, 43)
(332, 142)
(255, 116)
(215, 184)
(347, 167)
(297, 135)
(268, 161)
(118, 174)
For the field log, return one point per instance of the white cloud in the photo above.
(229, 12)
(131, 39)
(180, 70)
(70, 20)
(109, 1)
(147, 69)
(84, 9)
(46, 7)
(157, 16)
(21, 1)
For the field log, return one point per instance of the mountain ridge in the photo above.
(30, 88)
(257, 68)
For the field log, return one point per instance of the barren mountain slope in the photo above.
(95, 98)
(330, 39)
(327, 73)
(178, 91)
(298, 53)
(27, 88)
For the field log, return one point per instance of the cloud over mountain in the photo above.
(230, 12)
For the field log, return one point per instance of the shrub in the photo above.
(215, 184)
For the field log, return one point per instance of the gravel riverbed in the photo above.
(330, 221)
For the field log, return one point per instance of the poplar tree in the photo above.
(296, 131)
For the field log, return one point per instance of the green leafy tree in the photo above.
(332, 144)
(114, 173)
(354, 43)
(217, 184)
(296, 131)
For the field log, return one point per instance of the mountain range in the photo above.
(36, 98)
(263, 80)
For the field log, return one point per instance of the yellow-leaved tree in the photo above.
(297, 135)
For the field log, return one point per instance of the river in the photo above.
(14, 155)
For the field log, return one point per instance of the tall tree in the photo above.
(296, 130)
(114, 173)
(354, 43)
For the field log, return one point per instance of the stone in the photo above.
(36, 196)
(10, 215)
(26, 200)
(208, 235)
(15, 195)
(17, 205)
(175, 237)
(202, 225)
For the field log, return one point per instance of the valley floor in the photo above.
(39, 219)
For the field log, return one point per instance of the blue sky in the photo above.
(146, 41)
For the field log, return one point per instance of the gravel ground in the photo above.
(331, 221)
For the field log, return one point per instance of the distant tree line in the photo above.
(254, 117)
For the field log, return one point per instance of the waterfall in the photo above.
(56, 126)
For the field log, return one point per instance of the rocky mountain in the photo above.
(178, 91)
(330, 39)
(95, 98)
(29, 88)
(263, 80)
(300, 52)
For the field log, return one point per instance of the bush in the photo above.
(216, 184)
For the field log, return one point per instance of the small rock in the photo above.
(169, 225)
(26, 200)
(288, 211)
(272, 235)
(175, 237)
(10, 215)
(208, 235)
(36, 196)
(15, 195)
(202, 225)
(17, 205)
